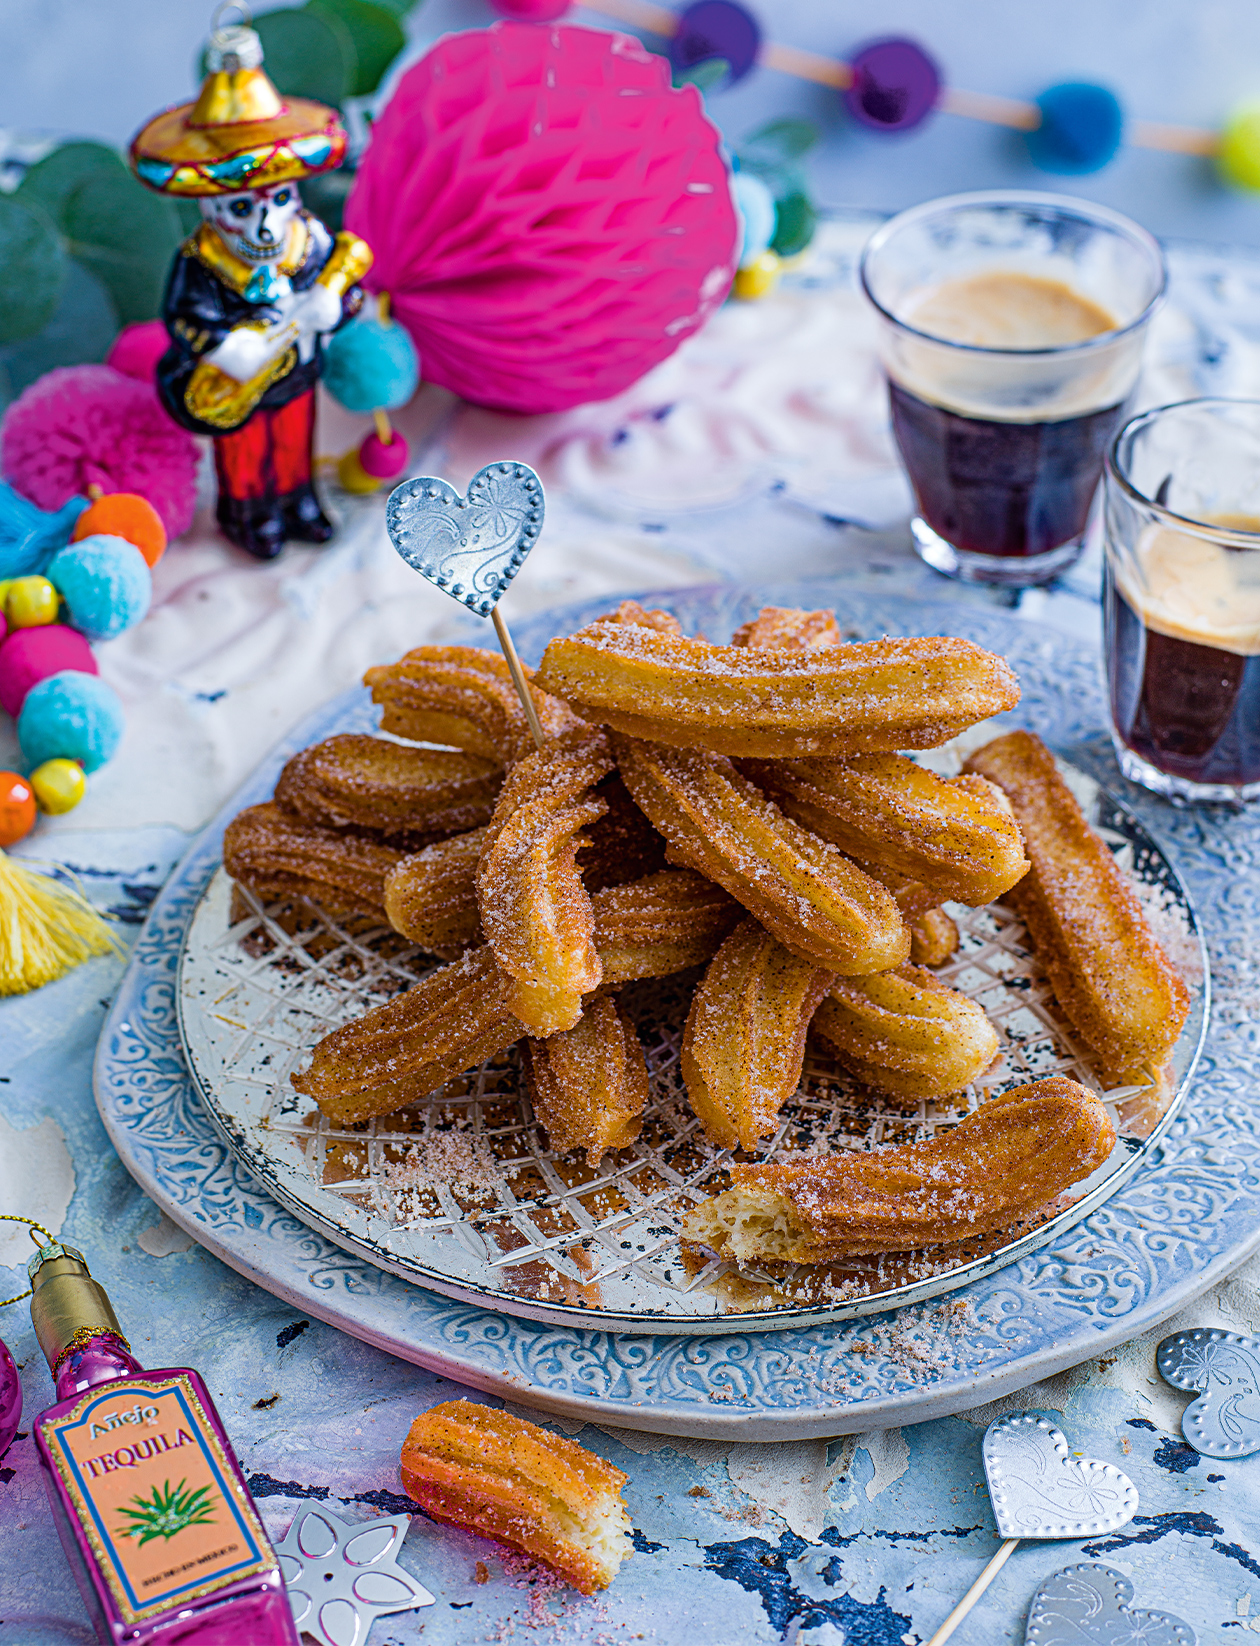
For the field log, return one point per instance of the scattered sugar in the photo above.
(454, 1157)
(1165, 917)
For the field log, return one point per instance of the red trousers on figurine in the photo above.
(270, 455)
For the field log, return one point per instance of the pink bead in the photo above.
(31, 655)
(383, 462)
(531, 11)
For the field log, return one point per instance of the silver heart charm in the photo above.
(471, 547)
(1223, 1369)
(341, 1577)
(1040, 1490)
(1089, 1606)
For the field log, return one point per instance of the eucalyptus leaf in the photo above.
(51, 181)
(126, 236)
(398, 8)
(81, 330)
(780, 140)
(325, 194)
(703, 76)
(377, 35)
(794, 224)
(308, 54)
(32, 270)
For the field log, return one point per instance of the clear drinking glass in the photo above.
(1182, 599)
(1011, 329)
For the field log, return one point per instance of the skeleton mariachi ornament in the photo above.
(254, 292)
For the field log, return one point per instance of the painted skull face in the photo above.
(255, 224)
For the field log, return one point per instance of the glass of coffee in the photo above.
(1011, 329)
(1182, 599)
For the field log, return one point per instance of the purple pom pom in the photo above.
(716, 28)
(895, 85)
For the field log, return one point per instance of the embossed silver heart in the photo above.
(1223, 1369)
(1039, 1489)
(1088, 1605)
(470, 547)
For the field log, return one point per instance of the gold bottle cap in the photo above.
(67, 1305)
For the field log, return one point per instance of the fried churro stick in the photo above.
(431, 896)
(906, 1033)
(501, 1477)
(958, 838)
(630, 611)
(799, 887)
(1002, 1164)
(933, 938)
(278, 855)
(370, 783)
(1114, 983)
(782, 628)
(661, 924)
(740, 700)
(744, 1043)
(621, 845)
(589, 1083)
(397, 1053)
(463, 696)
(535, 911)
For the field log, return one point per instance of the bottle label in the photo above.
(162, 1507)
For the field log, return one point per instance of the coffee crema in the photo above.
(1007, 309)
(1191, 588)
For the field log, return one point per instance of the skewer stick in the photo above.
(973, 1594)
(518, 676)
(384, 428)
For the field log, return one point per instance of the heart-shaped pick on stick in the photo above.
(1090, 1604)
(1040, 1490)
(1223, 1369)
(471, 547)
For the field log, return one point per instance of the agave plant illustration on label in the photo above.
(170, 1510)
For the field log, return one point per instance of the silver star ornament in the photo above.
(342, 1577)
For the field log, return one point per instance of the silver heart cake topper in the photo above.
(1039, 1489)
(1223, 1370)
(470, 547)
(341, 1577)
(1089, 1606)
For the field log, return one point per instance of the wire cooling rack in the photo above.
(461, 1193)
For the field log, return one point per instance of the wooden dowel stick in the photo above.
(384, 429)
(518, 676)
(973, 1594)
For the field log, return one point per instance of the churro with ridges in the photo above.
(741, 700)
(621, 845)
(1001, 1165)
(799, 887)
(744, 1043)
(783, 628)
(278, 855)
(630, 611)
(589, 1084)
(361, 782)
(933, 938)
(1112, 980)
(431, 896)
(663, 923)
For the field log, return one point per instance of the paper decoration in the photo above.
(1223, 1369)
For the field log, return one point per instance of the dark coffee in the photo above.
(991, 487)
(1190, 710)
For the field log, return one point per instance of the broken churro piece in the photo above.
(789, 628)
(590, 1082)
(933, 937)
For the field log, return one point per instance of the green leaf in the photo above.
(81, 329)
(308, 54)
(398, 8)
(704, 76)
(51, 181)
(32, 270)
(126, 236)
(376, 33)
(794, 224)
(325, 194)
(780, 140)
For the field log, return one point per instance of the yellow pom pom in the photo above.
(1239, 154)
(353, 476)
(760, 276)
(30, 602)
(59, 785)
(46, 928)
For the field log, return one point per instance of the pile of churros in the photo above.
(747, 809)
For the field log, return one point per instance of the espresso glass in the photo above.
(1004, 446)
(1182, 599)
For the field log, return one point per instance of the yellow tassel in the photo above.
(46, 928)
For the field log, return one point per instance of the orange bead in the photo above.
(125, 514)
(17, 808)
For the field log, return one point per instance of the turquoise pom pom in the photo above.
(369, 365)
(1080, 130)
(755, 205)
(105, 583)
(70, 716)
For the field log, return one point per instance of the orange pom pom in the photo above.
(125, 514)
(17, 808)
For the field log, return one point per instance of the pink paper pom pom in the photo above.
(549, 216)
(31, 655)
(381, 461)
(80, 426)
(137, 349)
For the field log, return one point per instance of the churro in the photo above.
(801, 889)
(663, 923)
(504, 1478)
(744, 1043)
(906, 1033)
(1000, 1166)
(370, 783)
(431, 895)
(933, 937)
(621, 845)
(589, 1083)
(1112, 980)
(277, 855)
(630, 611)
(778, 628)
(741, 700)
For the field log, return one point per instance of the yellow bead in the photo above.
(30, 602)
(59, 785)
(353, 476)
(1239, 154)
(760, 276)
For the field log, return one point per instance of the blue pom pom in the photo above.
(367, 364)
(755, 205)
(70, 716)
(1080, 128)
(105, 583)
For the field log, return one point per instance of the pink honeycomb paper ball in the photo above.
(31, 655)
(381, 461)
(550, 217)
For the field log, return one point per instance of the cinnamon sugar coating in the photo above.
(278, 855)
(1001, 1165)
(431, 896)
(621, 845)
(630, 611)
(589, 1084)
(933, 938)
(660, 924)
(1114, 983)
(370, 783)
(782, 628)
